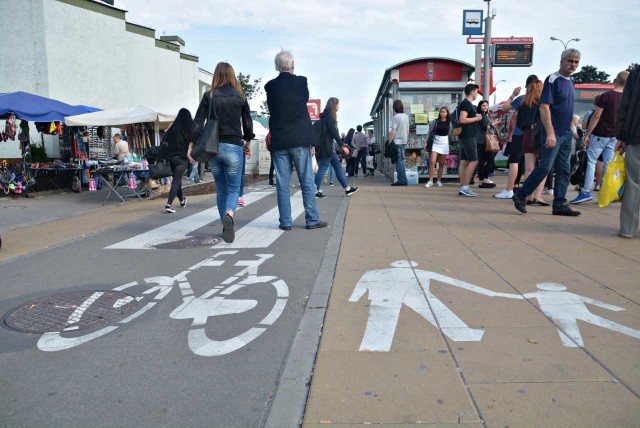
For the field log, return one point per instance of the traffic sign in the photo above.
(472, 22)
(314, 105)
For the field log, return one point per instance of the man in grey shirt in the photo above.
(400, 136)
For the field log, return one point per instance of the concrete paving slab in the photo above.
(622, 360)
(563, 404)
(393, 388)
(525, 354)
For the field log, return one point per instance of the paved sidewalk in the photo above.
(476, 258)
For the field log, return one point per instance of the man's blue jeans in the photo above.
(559, 155)
(362, 160)
(301, 158)
(324, 164)
(597, 146)
(226, 167)
(402, 174)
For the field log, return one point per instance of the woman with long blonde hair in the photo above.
(528, 118)
(235, 128)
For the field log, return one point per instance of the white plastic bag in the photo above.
(314, 164)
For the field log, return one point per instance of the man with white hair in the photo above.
(556, 114)
(291, 137)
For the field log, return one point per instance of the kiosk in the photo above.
(423, 85)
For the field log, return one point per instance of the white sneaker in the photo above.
(439, 184)
(548, 192)
(429, 184)
(505, 194)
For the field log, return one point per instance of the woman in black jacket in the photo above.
(235, 126)
(485, 159)
(177, 145)
(326, 151)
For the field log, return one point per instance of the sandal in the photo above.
(539, 203)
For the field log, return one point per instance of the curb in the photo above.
(289, 403)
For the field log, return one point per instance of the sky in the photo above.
(343, 47)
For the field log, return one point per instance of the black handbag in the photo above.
(160, 169)
(208, 142)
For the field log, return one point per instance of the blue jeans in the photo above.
(301, 158)
(323, 166)
(559, 155)
(597, 146)
(226, 168)
(362, 159)
(331, 173)
(402, 175)
(244, 169)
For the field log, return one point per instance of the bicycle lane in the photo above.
(201, 335)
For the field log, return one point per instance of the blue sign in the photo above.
(472, 23)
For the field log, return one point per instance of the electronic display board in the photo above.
(512, 54)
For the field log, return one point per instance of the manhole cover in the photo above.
(184, 243)
(81, 310)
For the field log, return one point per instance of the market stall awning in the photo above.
(38, 109)
(120, 117)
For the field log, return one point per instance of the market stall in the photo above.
(140, 128)
(48, 115)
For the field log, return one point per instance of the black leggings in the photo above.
(485, 162)
(178, 167)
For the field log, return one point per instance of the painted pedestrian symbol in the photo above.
(389, 289)
(566, 309)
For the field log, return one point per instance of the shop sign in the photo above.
(472, 22)
(314, 105)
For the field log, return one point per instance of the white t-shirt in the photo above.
(400, 123)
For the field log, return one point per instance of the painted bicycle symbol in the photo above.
(217, 301)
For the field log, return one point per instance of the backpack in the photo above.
(318, 128)
(526, 117)
(578, 167)
(455, 122)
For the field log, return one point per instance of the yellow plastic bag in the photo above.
(613, 184)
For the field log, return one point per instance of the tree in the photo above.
(590, 74)
(264, 108)
(251, 89)
(632, 66)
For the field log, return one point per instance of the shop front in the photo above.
(423, 85)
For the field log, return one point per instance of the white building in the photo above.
(85, 52)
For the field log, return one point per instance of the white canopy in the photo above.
(122, 116)
(260, 131)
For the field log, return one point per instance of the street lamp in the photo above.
(555, 39)
(496, 92)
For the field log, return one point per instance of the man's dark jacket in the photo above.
(628, 125)
(289, 121)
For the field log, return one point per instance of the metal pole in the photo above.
(478, 62)
(487, 52)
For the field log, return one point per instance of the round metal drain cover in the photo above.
(81, 310)
(185, 243)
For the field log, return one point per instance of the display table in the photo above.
(52, 178)
(120, 181)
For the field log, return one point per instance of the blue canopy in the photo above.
(38, 109)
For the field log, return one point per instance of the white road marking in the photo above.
(263, 231)
(180, 228)
(80, 310)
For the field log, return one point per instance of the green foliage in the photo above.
(264, 108)
(251, 89)
(632, 66)
(38, 153)
(591, 74)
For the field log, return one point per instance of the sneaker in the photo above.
(582, 197)
(318, 225)
(439, 184)
(351, 191)
(548, 192)
(467, 192)
(241, 201)
(625, 235)
(331, 184)
(319, 195)
(429, 184)
(505, 194)
(519, 203)
(228, 232)
(169, 209)
(565, 210)
(183, 202)
(487, 185)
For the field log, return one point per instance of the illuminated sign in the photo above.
(512, 54)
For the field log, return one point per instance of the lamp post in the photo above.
(555, 39)
(496, 92)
